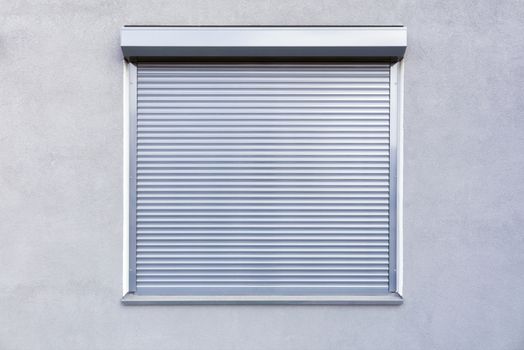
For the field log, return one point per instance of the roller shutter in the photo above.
(261, 179)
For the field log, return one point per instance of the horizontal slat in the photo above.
(272, 251)
(261, 193)
(288, 221)
(257, 103)
(261, 95)
(267, 207)
(291, 117)
(160, 176)
(259, 72)
(271, 140)
(289, 215)
(261, 279)
(220, 210)
(198, 264)
(280, 238)
(353, 155)
(245, 174)
(229, 225)
(262, 198)
(190, 287)
(170, 97)
(255, 86)
(309, 191)
(275, 262)
(256, 182)
(266, 232)
(261, 268)
(258, 273)
(262, 67)
(228, 256)
(159, 147)
(378, 199)
(261, 80)
(267, 110)
(232, 73)
(268, 159)
(294, 165)
(259, 128)
(173, 122)
(251, 137)
(244, 69)
(279, 243)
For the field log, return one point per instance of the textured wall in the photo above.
(61, 192)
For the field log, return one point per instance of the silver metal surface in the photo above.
(132, 174)
(262, 179)
(327, 42)
(393, 141)
(387, 299)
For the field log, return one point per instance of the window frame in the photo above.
(394, 297)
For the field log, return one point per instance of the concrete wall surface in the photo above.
(61, 182)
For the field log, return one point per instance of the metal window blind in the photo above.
(261, 179)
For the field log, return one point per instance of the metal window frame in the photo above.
(394, 297)
(132, 174)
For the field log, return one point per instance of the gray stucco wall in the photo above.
(61, 182)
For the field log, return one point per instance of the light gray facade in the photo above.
(61, 159)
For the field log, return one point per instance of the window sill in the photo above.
(388, 299)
